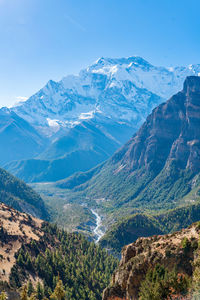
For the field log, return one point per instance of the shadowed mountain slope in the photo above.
(20, 196)
(18, 138)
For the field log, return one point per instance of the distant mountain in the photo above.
(124, 89)
(20, 196)
(18, 139)
(158, 166)
(83, 147)
(113, 95)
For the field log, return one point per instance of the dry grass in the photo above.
(21, 228)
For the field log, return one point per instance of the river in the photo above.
(97, 230)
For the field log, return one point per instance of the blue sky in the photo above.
(47, 39)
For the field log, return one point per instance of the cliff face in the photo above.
(158, 165)
(146, 253)
(171, 132)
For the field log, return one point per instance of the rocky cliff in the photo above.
(170, 133)
(172, 250)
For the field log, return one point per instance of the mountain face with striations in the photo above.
(104, 105)
(160, 163)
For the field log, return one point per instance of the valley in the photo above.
(154, 174)
(35, 256)
(99, 150)
(115, 192)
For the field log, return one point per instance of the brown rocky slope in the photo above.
(144, 254)
(16, 229)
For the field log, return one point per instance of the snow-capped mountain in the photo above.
(123, 89)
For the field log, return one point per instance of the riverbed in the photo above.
(98, 232)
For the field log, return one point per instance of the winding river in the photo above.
(97, 230)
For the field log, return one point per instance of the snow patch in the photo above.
(53, 123)
(88, 115)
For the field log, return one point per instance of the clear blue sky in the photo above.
(47, 39)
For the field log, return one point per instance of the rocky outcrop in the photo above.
(137, 258)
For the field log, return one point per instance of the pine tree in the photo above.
(39, 291)
(59, 292)
(30, 288)
(24, 294)
(196, 276)
(20, 260)
(3, 296)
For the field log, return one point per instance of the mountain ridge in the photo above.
(110, 93)
(18, 134)
(160, 162)
(133, 80)
(16, 193)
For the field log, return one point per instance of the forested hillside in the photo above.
(128, 229)
(37, 259)
(20, 196)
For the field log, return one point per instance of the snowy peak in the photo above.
(137, 60)
(122, 89)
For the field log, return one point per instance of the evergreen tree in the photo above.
(39, 291)
(30, 288)
(24, 293)
(159, 284)
(3, 296)
(59, 292)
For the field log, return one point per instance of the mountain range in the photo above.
(107, 101)
(156, 168)
(124, 89)
(150, 186)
